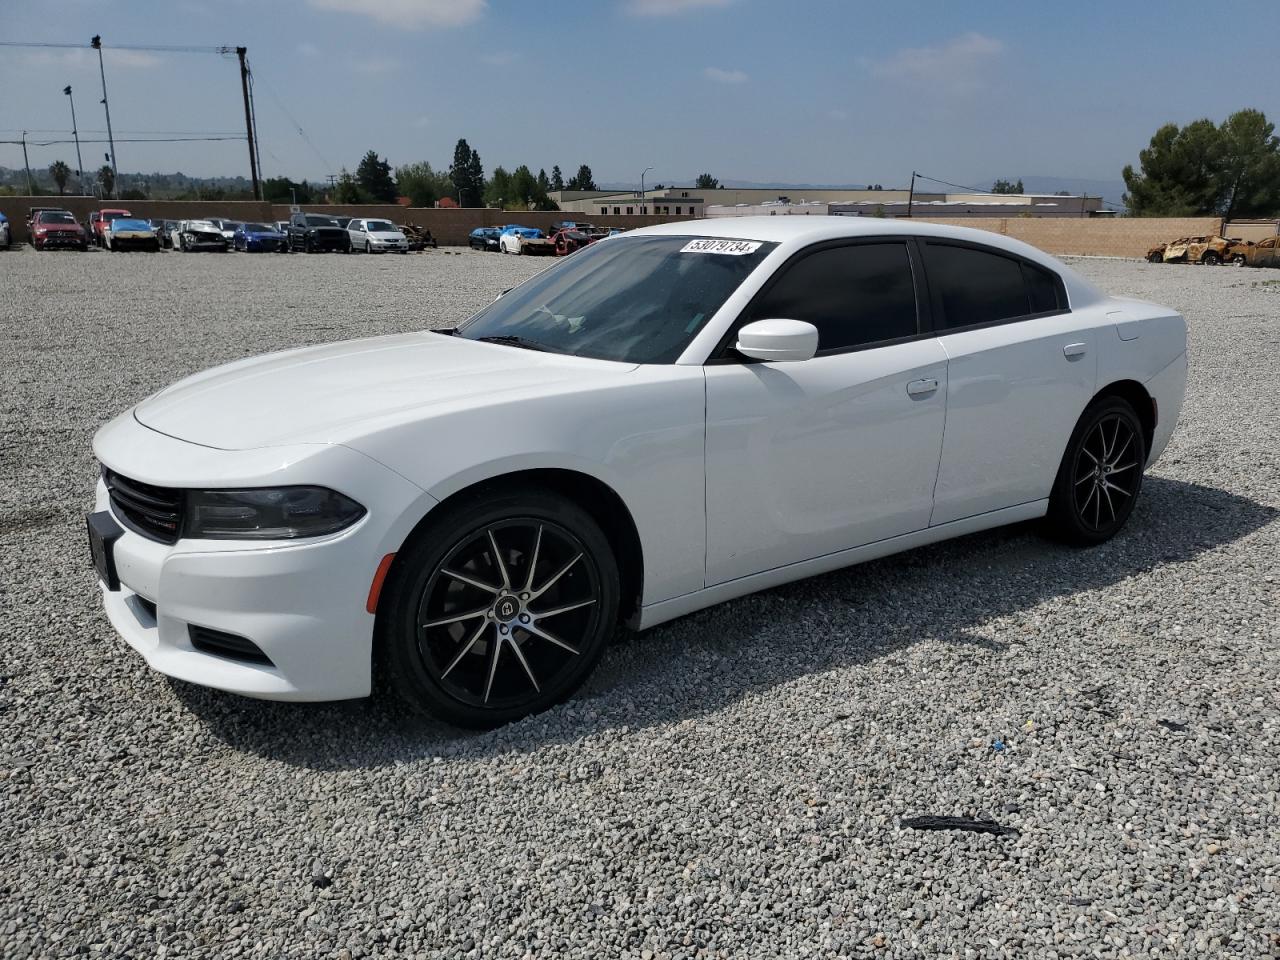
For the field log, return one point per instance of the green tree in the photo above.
(467, 174)
(283, 190)
(706, 181)
(1007, 186)
(583, 180)
(424, 185)
(544, 183)
(375, 179)
(524, 187)
(107, 178)
(557, 178)
(347, 189)
(1232, 170)
(498, 192)
(61, 173)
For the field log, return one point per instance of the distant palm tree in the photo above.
(107, 177)
(61, 173)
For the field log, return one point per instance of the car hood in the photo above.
(386, 234)
(332, 393)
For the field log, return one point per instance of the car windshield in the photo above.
(321, 222)
(231, 225)
(637, 299)
(257, 228)
(379, 226)
(108, 217)
(59, 216)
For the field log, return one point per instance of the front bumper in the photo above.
(134, 242)
(65, 241)
(302, 603)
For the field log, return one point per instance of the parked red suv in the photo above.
(52, 229)
(98, 218)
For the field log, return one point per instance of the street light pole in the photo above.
(646, 170)
(75, 133)
(96, 43)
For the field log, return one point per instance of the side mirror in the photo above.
(778, 340)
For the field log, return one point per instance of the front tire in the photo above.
(499, 608)
(1211, 259)
(1100, 476)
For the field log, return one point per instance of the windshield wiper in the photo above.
(511, 340)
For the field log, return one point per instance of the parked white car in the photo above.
(226, 227)
(377, 236)
(668, 419)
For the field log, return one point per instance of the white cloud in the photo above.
(83, 57)
(307, 49)
(421, 122)
(668, 8)
(725, 76)
(376, 67)
(410, 14)
(954, 66)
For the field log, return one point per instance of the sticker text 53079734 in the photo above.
(734, 248)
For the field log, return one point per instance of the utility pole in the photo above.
(96, 43)
(248, 121)
(911, 194)
(26, 163)
(75, 133)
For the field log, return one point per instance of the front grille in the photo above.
(154, 512)
(227, 645)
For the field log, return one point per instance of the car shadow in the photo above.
(948, 592)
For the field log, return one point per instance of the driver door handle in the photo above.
(1073, 350)
(922, 388)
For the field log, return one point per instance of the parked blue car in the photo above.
(258, 238)
(484, 238)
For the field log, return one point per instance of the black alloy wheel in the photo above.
(499, 609)
(1211, 259)
(1100, 476)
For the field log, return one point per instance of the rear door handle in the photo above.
(1073, 350)
(922, 388)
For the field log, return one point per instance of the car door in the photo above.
(808, 458)
(1021, 368)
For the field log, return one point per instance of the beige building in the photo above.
(690, 200)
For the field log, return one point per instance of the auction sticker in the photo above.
(732, 248)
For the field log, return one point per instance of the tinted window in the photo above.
(974, 286)
(854, 295)
(1042, 289)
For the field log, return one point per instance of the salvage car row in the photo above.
(1216, 250)
(562, 239)
(52, 228)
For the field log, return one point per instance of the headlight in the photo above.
(281, 513)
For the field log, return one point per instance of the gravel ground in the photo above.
(729, 785)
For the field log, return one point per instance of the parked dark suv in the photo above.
(315, 233)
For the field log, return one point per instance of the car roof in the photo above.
(793, 232)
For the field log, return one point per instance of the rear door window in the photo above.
(971, 286)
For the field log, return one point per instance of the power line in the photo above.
(50, 143)
(150, 48)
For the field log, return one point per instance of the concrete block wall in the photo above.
(1119, 237)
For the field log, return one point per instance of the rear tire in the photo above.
(480, 642)
(1100, 476)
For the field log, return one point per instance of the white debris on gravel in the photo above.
(729, 785)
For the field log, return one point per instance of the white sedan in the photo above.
(666, 420)
(377, 236)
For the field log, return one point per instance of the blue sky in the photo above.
(767, 90)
